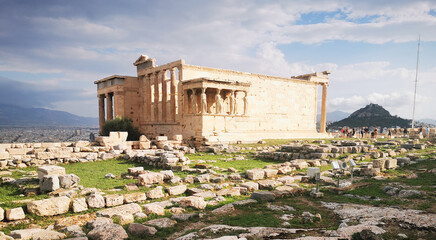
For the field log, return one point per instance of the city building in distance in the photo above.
(209, 104)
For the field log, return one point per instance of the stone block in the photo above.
(95, 200)
(135, 171)
(176, 190)
(250, 186)
(123, 219)
(161, 222)
(379, 163)
(50, 170)
(131, 208)
(154, 208)
(268, 184)
(36, 234)
(255, 174)
(49, 183)
(203, 178)
(141, 230)
(79, 205)
(195, 202)
(15, 214)
(263, 196)
(49, 207)
(68, 181)
(155, 193)
(108, 231)
(134, 197)
(114, 200)
(391, 163)
(81, 144)
(150, 178)
(161, 138)
(286, 180)
(4, 155)
(312, 171)
(19, 151)
(270, 173)
(2, 214)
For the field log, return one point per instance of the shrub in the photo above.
(120, 124)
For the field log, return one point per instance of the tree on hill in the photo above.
(371, 115)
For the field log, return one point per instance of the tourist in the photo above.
(405, 131)
(389, 133)
(420, 135)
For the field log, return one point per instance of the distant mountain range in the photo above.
(41, 117)
(371, 115)
(334, 116)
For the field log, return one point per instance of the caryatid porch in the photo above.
(215, 97)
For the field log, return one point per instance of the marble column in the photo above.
(245, 102)
(109, 106)
(148, 97)
(218, 102)
(101, 113)
(164, 96)
(323, 108)
(173, 107)
(194, 105)
(156, 97)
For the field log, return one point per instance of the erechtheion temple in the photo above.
(208, 104)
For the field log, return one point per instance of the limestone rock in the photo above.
(176, 190)
(161, 222)
(263, 196)
(49, 183)
(251, 186)
(286, 180)
(131, 208)
(68, 181)
(226, 209)
(95, 200)
(141, 230)
(15, 214)
(49, 207)
(183, 216)
(150, 178)
(74, 231)
(154, 208)
(36, 234)
(155, 193)
(108, 232)
(114, 200)
(2, 214)
(268, 184)
(203, 178)
(195, 202)
(50, 170)
(123, 219)
(98, 222)
(409, 193)
(134, 197)
(270, 173)
(255, 174)
(79, 205)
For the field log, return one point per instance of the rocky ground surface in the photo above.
(259, 191)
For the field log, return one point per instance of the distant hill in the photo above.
(39, 117)
(370, 115)
(428, 120)
(333, 116)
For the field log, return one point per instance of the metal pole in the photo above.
(416, 82)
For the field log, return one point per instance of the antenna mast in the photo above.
(416, 82)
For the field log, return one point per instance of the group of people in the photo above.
(365, 132)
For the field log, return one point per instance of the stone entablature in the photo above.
(214, 104)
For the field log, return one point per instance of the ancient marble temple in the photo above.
(209, 104)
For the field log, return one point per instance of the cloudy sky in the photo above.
(51, 51)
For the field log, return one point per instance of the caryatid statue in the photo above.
(203, 101)
(232, 103)
(218, 101)
(245, 103)
(194, 102)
